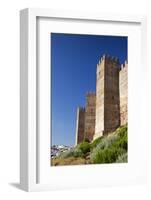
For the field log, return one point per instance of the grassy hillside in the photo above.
(106, 149)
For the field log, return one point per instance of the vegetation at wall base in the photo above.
(106, 149)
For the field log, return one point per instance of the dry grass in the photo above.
(68, 161)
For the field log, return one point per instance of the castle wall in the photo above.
(90, 116)
(123, 81)
(100, 72)
(107, 109)
(107, 96)
(111, 95)
(80, 125)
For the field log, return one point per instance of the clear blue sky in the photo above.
(73, 66)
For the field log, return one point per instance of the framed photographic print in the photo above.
(82, 79)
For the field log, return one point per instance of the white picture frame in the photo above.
(29, 95)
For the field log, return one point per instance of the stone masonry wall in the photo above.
(80, 125)
(111, 95)
(99, 121)
(107, 96)
(90, 115)
(123, 81)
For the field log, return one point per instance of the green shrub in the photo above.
(78, 153)
(108, 155)
(84, 147)
(122, 158)
(96, 142)
(107, 141)
(122, 142)
(121, 131)
(67, 154)
(86, 140)
(110, 139)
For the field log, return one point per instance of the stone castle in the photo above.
(106, 109)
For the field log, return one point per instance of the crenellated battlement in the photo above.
(81, 109)
(124, 65)
(108, 58)
(90, 93)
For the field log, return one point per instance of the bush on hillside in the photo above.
(122, 158)
(78, 153)
(111, 148)
(84, 147)
(86, 140)
(108, 155)
(96, 142)
(107, 141)
(121, 131)
(122, 141)
(67, 154)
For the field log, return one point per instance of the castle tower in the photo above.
(106, 109)
(80, 125)
(90, 115)
(123, 82)
(107, 96)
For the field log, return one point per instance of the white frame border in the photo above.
(28, 82)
